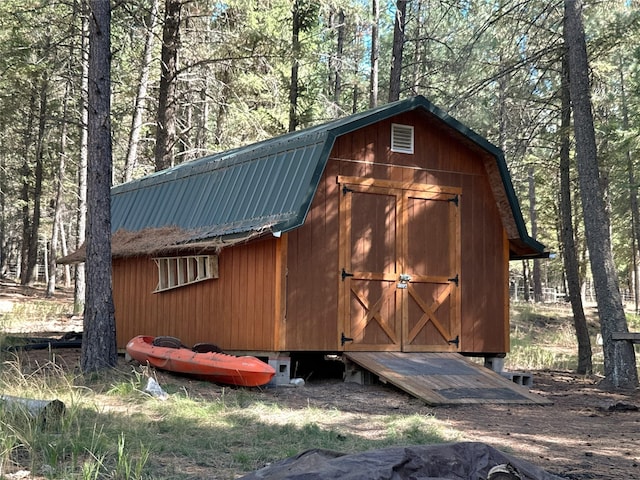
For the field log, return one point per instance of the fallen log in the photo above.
(68, 340)
(46, 412)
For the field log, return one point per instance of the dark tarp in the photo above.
(457, 461)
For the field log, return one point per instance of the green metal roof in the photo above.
(267, 186)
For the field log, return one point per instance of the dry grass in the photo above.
(113, 429)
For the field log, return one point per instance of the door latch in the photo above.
(405, 278)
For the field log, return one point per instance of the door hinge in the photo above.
(344, 339)
(455, 341)
(345, 274)
(346, 190)
(455, 280)
(455, 199)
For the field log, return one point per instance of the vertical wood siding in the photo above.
(237, 311)
(440, 158)
(312, 262)
(282, 294)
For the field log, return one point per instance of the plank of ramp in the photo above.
(444, 378)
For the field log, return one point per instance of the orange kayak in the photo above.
(212, 366)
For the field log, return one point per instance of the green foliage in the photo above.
(494, 65)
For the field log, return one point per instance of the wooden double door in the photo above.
(399, 282)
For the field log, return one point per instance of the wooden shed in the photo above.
(388, 230)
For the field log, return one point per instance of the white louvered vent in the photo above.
(401, 138)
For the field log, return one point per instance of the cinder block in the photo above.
(282, 366)
(361, 377)
(494, 363)
(521, 378)
(355, 374)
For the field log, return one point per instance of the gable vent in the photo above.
(401, 138)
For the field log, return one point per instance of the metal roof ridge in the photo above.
(337, 127)
(225, 159)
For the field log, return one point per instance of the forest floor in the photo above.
(587, 432)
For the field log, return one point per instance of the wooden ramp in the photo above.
(444, 378)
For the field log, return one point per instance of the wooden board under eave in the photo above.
(237, 311)
(280, 292)
(484, 323)
(506, 299)
(312, 266)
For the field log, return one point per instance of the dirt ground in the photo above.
(587, 433)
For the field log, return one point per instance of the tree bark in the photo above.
(525, 281)
(569, 254)
(295, 65)
(223, 106)
(398, 48)
(167, 107)
(3, 218)
(57, 212)
(633, 189)
(141, 97)
(25, 175)
(536, 276)
(65, 251)
(375, 54)
(79, 284)
(99, 349)
(337, 67)
(418, 59)
(29, 274)
(619, 356)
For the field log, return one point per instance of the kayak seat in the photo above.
(167, 342)
(206, 348)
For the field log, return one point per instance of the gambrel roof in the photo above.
(269, 186)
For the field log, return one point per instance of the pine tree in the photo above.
(619, 358)
(99, 348)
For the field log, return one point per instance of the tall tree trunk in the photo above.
(99, 349)
(525, 281)
(167, 107)
(65, 251)
(633, 187)
(57, 212)
(619, 356)
(141, 96)
(29, 275)
(223, 106)
(337, 67)
(3, 218)
(79, 284)
(202, 134)
(25, 175)
(569, 254)
(536, 277)
(397, 49)
(375, 54)
(355, 92)
(295, 65)
(418, 59)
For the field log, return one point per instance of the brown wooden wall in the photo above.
(440, 159)
(282, 294)
(237, 311)
(312, 266)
